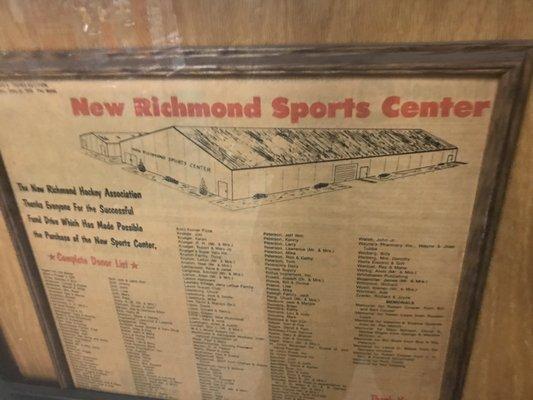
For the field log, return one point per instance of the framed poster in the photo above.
(260, 223)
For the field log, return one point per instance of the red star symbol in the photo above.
(134, 265)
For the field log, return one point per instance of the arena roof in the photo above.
(113, 137)
(245, 148)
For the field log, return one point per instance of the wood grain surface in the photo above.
(18, 319)
(503, 357)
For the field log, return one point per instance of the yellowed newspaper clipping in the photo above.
(231, 239)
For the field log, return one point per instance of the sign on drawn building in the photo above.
(266, 238)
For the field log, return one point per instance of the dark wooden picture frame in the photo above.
(509, 62)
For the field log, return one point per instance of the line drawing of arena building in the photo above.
(239, 163)
(106, 145)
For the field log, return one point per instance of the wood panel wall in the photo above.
(503, 357)
(18, 319)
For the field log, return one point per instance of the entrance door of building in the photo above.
(363, 172)
(103, 150)
(345, 172)
(450, 158)
(223, 189)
